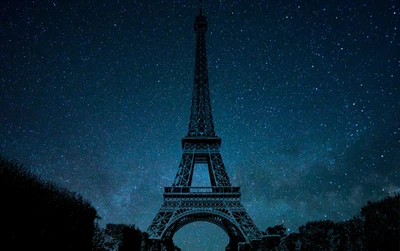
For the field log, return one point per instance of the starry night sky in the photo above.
(95, 96)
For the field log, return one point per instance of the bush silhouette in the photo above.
(40, 215)
(122, 237)
(381, 223)
(375, 228)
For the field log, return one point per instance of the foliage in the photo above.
(277, 230)
(315, 235)
(274, 236)
(99, 239)
(376, 228)
(348, 235)
(40, 215)
(290, 243)
(43, 216)
(381, 223)
(122, 237)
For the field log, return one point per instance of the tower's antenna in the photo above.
(201, 6)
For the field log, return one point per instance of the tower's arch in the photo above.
(220, 219)
(200, 236)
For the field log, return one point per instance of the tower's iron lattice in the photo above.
(219, 203)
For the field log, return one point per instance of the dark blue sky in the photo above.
(95, 96)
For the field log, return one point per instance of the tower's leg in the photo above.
(185, 172)
(218, 170)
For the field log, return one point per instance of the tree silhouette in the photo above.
(99, 239)
(381, 223)
(277, 230)
(40, 215)
(315, 235)
(122, 237)
(290, 243)
(376, 228)
(274, 236)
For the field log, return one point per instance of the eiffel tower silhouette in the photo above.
(219, 203)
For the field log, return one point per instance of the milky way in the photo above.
(95, 96)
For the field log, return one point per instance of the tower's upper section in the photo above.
(200, 24)
(201, 122)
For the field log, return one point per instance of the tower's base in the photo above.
(218, 205)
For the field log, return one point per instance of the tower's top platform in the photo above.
(200, 23)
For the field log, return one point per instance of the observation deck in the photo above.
(202, 192)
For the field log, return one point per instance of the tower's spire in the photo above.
(201, 122)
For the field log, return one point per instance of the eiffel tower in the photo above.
(219, 203)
